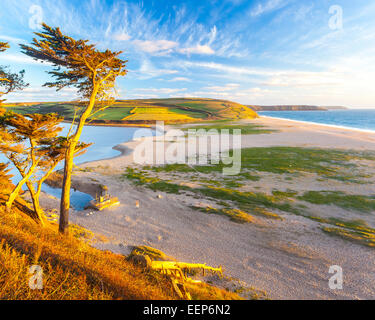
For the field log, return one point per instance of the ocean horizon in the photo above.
(358, 119)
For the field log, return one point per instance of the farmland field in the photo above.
(175, 110)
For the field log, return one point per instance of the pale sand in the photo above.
(288, 259)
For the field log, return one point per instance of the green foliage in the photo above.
(247, 201)
(251, 202)
(154, 184)
(245, 128)
(330, 164)
(347, 201)
(9, 81)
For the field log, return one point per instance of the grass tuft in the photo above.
(355, 202)
(235, 215)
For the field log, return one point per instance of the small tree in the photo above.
(51, 152)
(23, 141)
(91, 71)
(30, 142)
(9, 81)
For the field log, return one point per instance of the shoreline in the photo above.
(272, 255)
(126, 148)
(321, 124)
(113, 125)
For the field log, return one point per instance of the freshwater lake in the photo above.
(104, 138)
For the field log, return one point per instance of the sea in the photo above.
(360, 119)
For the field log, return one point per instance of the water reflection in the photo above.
(103, 139)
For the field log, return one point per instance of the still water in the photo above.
(103, 139)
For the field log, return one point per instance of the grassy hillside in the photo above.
(174, 110)
(72, 269)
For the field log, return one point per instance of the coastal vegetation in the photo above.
(360, 203)
(242, 200)
(247, 128)
(338, 165)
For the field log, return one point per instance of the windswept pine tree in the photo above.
(9, 81)
(81, 65)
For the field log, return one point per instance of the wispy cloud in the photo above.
(41, 94)
(227, 87)
(155, 46)
(179, 79)
(121, 36)
(148, 70)
(19, 59)
(10, 39)
(198, 49)
(160, 90)
(271, 51)
(266, 6)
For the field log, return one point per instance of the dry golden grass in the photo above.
(72, 269)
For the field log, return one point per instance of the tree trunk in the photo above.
(65, 195)
(35, 199)
(14, 194)
(68, 166)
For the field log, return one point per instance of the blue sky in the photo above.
(253, 52)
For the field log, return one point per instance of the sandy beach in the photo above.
(288, 259)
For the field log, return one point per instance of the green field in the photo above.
(174, 110)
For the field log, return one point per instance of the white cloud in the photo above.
(227, 87)
(123, 36)
(225, 68)
(143, 93)
(148, 70)
(41, 94)
(212, 36)
(160, 90)
(265, 7)
(10, 39)
(141, 96)
(234, 94)
(18, 58)
(155, 46)
(198, 49)
(179, 79)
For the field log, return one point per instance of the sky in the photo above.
(255, 52)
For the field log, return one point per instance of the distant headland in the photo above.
(295, 108)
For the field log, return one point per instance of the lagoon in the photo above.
(104, 138)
